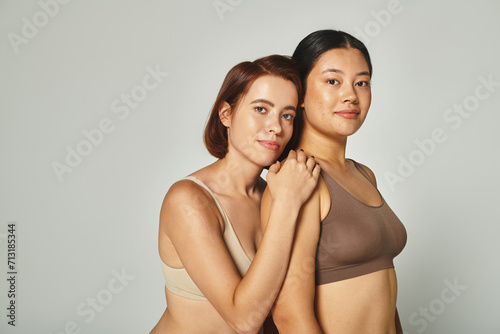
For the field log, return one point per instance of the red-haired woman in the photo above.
(222, 274)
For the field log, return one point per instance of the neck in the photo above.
(324, 148)
(233, 175)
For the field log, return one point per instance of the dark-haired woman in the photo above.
(216, 279)
(341, 278)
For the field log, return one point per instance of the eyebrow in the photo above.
(263, 101)
(272, 104)
(340, 72)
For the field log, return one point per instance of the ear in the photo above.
(225, 114)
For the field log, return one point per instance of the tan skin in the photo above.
(339, 81)
(191, 226)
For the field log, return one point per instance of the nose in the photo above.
(348, 94)
(274, 124)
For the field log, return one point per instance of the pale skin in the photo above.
(337, 86)
(191, 226)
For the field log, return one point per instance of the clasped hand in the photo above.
(294, 179)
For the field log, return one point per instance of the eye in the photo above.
(363, 84)
(332, 81)
(288, 117)
(260, 110)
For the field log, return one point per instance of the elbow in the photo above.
(294, 320)
(245, 329)
(249, 320)
(248, 331)
(283, 319)
(246, 325)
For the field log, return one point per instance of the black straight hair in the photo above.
(315, 44)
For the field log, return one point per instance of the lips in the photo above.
(348, 113)
(270, 144)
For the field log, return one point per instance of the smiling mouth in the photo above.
(348, 113)
(269, 144)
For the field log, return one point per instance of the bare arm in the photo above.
(193, 225)
(294, 308)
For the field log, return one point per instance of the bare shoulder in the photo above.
(187, 201)
(369, 171)
(183, 189)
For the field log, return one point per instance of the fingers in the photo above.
(301, 156)
(275, 168)
(295, 178)
(292, 155)
(316, 171)
(311, 163)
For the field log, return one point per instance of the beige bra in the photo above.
(178, 281)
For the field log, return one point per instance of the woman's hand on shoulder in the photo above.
(293, 180)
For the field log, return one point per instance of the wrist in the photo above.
(290, 205)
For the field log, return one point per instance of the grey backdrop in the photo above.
(103, 105)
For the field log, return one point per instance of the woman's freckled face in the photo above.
(338, 93)
(262, 123)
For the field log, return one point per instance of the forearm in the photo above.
(294, 310)
(255, 294)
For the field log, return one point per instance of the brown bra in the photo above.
(356, 239)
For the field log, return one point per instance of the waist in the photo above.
(184, 315)
(364, 304)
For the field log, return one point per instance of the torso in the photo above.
(185, 315)
(361, 304)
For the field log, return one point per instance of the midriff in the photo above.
(363, 304)
(186, 316)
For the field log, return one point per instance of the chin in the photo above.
(350, 132)
(268, 162)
